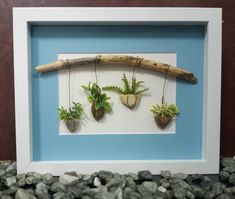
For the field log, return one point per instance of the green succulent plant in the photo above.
(135, 87)
(164, 109)
(74, 112)
(97, 97)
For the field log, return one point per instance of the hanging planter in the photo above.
(71, 116)
(131, 93)
(164, 114)
(99, 101)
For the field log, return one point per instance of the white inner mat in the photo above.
(121, 120)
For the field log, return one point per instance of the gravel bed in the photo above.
(108, 185)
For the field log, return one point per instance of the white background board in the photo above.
(121, 120)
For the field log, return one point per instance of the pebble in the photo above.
(151, 186)
(68, 179)
(23, 194)
(10, 181)
(165, 173)
(58, 187)
(96, 182)
(145, 175)
(232, 178)
(108, 185)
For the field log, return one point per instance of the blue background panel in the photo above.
(49, 41)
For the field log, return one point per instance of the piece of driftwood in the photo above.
(120, 60)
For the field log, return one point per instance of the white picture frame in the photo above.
(211, 18)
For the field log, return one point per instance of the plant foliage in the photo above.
(170, 110)
(73, 112)
(97, 97)
(135, 87)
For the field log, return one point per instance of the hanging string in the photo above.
(164, 85)
(137, 63)
(97, 58)
(69, 89)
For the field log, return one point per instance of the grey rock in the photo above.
(86, 197)
(127, 192)
(29, 180)
(118, 193)
(30, 190)
(58, 187)
(105, 175)
(23, 194)
(209, 194)
(229, 169)
(11, 168)
(90, 192)
(6, 197)
(130, 183)
(206, 185)
(165, 173)
(88, 179)
(217, 188)
(2, 172)
(4, 164)
(180, 183)
(115, 182)
(227, 162)
(105, 195)
(71, 173)
(162, 189)
(20, 176)
(21, 182)
(228, 190)
(151, 186)
(10, 181)
(11, 191)
(179, 191)
(42, 191)
(68, 179)
(134, 176)
(96, 182)
(166, 185)
(169, 194)
(224, 175)
(190, 195)
(232, 178)
(179, 175)
(225, 196)
(145, 175)
(47, 179)
(197, 178)
(34, 174)
(163, 180)
(60, 195)
(144, 191)
(135, 195)
(75, 190)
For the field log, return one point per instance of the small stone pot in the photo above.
(97, 114)
(129, 100)
(162, 121)
(72, 125)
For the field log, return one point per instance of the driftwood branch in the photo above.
(121, 60)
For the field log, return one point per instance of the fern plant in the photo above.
(164, 113)
(164, 109)
(135, 87)
(99, 100)
(130, 93)
(71, 116)
(72, 113)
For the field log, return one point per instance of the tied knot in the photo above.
(65, 63)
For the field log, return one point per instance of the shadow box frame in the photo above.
(211, 18)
